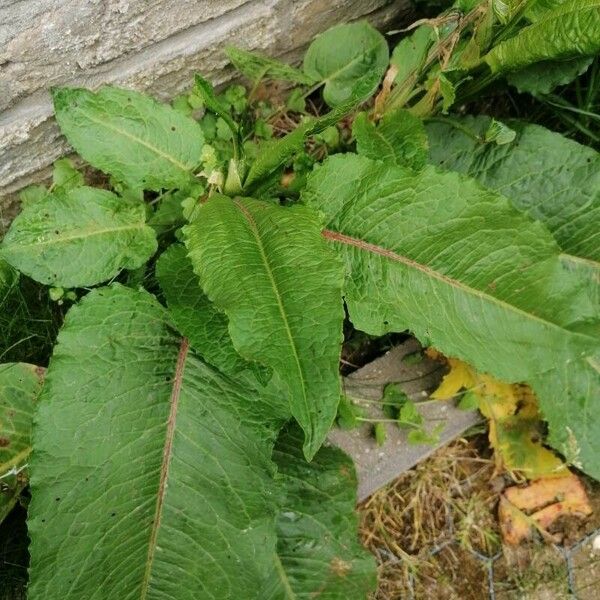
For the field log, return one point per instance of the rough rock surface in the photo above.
(153, 45)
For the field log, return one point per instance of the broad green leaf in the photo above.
(20, 385)
(456, 264)
(79, 238)
(146, 458)
(130, 136)
(587, 270)
(270, 271)
(399, 138)
(345, 55)
(569, 401)
(319, 553)
(571, 30)
(194, 314)
(537, 9)
(553, 179)
(273, 155)
(542, 77)
(65, 175)
(410, 54)
(257, 67)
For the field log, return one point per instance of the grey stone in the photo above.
(378, 465)
(151, 45)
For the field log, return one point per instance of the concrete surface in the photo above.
(378, 465)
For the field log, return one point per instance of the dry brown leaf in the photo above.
(515, 526)
(538, 505)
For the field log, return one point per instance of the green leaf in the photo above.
(9, 277)
(542, 77)
(273, 155)
(257, 67)
(65, 175)
(571, 409)
(506, 10)
(380, 433)
(80, 238)
(570, 30)
(130, 136)
(553, 179)
(409, 415)
(421, 436)
(194, 314)
(539, 8)
(447, 92)
(499, 133)
(268, 268)
(147, 458)
(394, 398)
(20, 385)
(399, 138)
(206, 91)
(32, 193)
(587, 271)
(457, 265)
(153, 458)
(320, 555)
(348, 413)
(345, 55)
(410, 54)
(168, 216)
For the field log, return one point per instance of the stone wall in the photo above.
(153, 45)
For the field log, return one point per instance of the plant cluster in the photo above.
(178, 431)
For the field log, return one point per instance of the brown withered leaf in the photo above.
(538, 505)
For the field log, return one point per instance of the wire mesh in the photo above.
(578, 588)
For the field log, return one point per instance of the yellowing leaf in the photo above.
(461, 377)
(513, 416)
(518, 442)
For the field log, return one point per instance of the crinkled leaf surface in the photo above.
(270, 271)
(538, 9)
(194, 314)
(153, 478)
(551, 178)
(570, 30)
(319, 553)
(20, 385)
(542, 77)
(152, 475)
(410, 53)
(569, 401)
(139, 141)
(343, 56)
(587, 270)
(79, 238)
(461, 268)
(257, 67)
(399, 138)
